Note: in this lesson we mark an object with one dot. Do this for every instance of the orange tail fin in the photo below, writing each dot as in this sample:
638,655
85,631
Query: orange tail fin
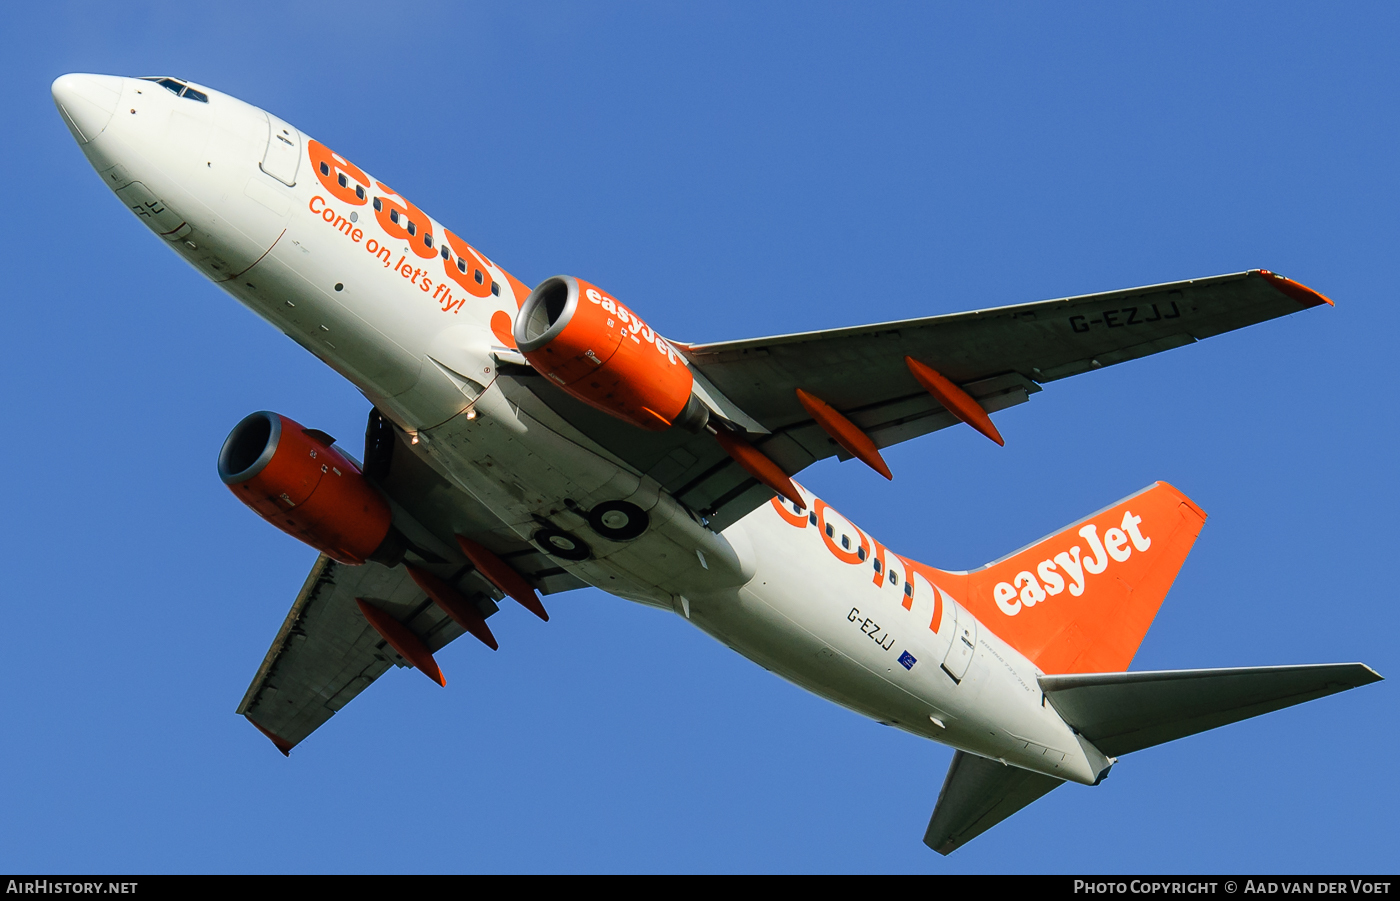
1081,600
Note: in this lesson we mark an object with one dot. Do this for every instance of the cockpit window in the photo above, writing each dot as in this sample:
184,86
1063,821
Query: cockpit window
178,88
170,84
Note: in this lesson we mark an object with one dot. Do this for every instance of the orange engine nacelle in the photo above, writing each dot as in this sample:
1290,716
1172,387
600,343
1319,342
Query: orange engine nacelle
606,356
293,478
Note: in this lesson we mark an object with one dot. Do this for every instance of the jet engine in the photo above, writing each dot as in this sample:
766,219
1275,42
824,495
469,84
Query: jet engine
606,356
293,478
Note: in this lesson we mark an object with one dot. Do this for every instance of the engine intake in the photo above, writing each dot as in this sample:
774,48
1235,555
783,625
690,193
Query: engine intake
295,479
604,354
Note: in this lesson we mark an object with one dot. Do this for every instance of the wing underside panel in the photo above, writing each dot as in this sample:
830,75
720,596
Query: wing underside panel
326,653
999,356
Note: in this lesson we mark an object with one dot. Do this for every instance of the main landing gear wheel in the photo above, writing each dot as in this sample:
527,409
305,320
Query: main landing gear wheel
618,520
562,544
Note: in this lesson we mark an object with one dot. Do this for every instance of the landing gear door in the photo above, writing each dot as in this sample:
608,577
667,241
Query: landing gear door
158,217
959,655
283,152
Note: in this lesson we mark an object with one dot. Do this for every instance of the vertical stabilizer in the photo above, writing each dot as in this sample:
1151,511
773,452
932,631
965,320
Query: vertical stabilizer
1081,600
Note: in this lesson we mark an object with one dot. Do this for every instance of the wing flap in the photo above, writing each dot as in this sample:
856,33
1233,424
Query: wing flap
1042,341
326,653
1117,355
920,414
977,794
1125,712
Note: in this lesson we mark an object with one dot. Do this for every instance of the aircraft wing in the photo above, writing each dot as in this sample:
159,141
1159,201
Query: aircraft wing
998,356
326,652
977,794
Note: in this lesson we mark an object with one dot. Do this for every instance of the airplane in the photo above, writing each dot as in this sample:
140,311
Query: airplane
527,441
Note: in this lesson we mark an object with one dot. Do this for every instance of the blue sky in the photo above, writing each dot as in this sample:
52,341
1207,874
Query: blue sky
728,170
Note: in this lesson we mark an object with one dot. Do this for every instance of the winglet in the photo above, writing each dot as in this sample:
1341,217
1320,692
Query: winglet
1299,292
282,744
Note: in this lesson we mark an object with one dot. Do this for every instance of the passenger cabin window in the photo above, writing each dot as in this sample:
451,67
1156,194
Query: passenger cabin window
394,216
909,588
894,577
477,275
812,517
445,254
461,265
495,289
877,564
846,542
860,554
428,241
830,532
378,204
360,192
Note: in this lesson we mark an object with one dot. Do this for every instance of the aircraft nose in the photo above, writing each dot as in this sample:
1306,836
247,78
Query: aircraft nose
87,102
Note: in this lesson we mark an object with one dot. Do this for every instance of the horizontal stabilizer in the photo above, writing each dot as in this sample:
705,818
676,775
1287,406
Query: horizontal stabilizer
1125,712
977,794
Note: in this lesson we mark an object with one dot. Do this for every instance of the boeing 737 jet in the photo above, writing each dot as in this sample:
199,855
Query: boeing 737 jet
524,442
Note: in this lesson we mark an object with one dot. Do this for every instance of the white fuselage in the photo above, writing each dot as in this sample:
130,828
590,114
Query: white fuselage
773,586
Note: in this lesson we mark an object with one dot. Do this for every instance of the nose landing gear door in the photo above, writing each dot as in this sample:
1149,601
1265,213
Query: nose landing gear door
283,152
959,655
158,217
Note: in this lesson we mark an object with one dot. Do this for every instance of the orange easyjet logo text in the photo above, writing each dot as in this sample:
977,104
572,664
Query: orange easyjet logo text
463,267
